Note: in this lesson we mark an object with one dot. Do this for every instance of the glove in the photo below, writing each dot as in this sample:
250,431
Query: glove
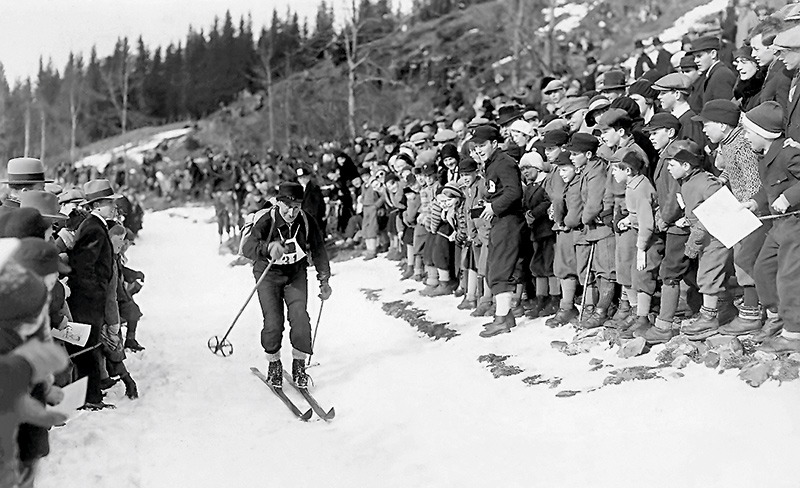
324,291
692,249
275,250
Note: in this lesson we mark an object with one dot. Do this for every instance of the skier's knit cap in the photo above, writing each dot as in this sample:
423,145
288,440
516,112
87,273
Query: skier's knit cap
673,81
663,120
485,133
563,159
633,160
724,111
23,222
535,160
425,157
705,43
523,127
22,295
290,192
556,137
467,165
644,88
684,151
40,256
765,120
582,142
452,190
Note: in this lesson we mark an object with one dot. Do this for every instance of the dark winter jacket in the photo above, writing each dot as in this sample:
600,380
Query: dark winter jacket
314,202
256,247
535,203
747,92
92,262
503,185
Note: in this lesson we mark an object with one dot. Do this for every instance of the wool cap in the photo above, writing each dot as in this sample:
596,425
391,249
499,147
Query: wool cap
449,151
663,120
485,133
582,142
534,159
685,151
290,192
23,222
554,138
644,88
627,104
22,295
390,177
429,169
704,43
25,171
391,139
614,118
633,160
452,190
765,120
467,165
724,111
40,256
425,157
45,202
563,159
673,81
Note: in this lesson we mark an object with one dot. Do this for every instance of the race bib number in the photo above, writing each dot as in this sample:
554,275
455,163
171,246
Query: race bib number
491,187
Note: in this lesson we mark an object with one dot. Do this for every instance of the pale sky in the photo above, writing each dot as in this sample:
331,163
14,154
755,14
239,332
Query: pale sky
53,28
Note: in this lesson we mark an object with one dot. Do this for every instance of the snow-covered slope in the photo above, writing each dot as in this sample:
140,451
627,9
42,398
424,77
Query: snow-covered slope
411,411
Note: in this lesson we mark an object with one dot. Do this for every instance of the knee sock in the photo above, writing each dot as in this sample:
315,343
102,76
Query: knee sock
590,292
433,276
472,285
487,290
710,301
670,294
750,297
542,287
554,286
274,356
410,255
629,295
568,286
606,293
517,296
297,354
130,334
644,300
444,275
503,303
372,244
418,266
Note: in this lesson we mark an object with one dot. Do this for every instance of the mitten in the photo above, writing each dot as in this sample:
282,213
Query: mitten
324,291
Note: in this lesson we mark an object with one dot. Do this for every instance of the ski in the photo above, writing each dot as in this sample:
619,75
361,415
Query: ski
326,416
280,394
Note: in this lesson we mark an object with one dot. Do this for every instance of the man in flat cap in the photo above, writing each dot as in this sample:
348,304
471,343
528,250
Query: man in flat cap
718,79
283,242
673,92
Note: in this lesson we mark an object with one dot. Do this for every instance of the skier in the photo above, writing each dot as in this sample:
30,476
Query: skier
281,238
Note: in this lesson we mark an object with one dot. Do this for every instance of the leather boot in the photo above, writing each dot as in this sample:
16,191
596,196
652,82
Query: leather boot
537,306
780,344
551,306
562,317
408,273
467,304
747,322
594,320
621,314
704,327
482,309
659,333
640,324
444,288
772,327
500,325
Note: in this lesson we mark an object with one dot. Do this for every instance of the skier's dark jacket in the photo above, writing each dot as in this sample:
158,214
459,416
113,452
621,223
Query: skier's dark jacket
310,240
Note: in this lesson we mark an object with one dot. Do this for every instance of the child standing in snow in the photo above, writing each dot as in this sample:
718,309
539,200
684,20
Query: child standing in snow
477,234
372,200
409,217
450,200
422,235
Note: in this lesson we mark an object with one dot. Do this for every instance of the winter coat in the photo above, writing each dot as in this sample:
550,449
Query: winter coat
536,203
92,262
746,92
717,84
503,185
314,202
667,188
776,85
779,170
15,379
475,194
372,202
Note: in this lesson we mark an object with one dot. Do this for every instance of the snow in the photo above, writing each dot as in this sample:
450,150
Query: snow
411,411
131,150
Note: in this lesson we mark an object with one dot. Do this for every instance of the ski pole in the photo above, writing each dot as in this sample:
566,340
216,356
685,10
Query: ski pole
73,355
316,328
586,283
222,346
778,216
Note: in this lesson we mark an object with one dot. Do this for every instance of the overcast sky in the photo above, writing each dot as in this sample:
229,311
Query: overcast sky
53,28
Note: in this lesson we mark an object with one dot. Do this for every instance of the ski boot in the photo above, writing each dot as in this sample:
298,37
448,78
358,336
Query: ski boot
659,333
131,391
299,375
747,322
482,309
408,273
467,304
275,374
595,319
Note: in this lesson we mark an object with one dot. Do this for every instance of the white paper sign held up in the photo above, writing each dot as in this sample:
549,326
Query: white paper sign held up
723,217
74,333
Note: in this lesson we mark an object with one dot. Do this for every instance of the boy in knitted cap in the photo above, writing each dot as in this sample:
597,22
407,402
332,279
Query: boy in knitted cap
710,254
777,269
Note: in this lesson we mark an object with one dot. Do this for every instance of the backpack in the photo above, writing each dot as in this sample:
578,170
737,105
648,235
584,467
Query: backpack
251,219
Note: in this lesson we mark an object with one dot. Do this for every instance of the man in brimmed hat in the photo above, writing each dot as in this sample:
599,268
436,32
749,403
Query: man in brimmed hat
504,210
788,46
718,79
23,174
283,241
777,268
92,261
612,84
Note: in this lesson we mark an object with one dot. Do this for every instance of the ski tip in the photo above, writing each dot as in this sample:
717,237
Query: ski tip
331,414
306,416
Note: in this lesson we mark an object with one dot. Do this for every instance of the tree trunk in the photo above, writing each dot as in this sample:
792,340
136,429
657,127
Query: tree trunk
27,151
287,97
270,106
43,116
519,14
125,86
351,100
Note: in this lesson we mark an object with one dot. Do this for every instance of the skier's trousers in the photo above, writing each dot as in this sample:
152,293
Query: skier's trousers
285,284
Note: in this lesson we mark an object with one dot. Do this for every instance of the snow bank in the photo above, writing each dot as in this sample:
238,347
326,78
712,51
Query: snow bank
131,150
411,412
